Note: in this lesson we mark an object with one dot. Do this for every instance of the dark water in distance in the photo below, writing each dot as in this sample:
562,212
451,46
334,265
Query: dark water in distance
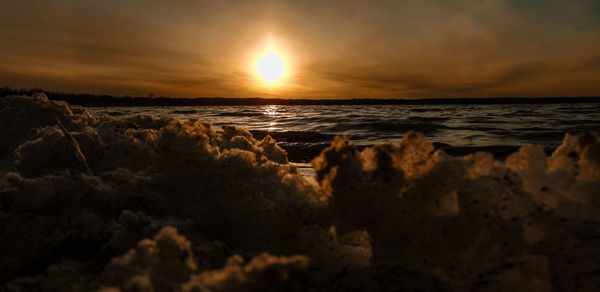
303,130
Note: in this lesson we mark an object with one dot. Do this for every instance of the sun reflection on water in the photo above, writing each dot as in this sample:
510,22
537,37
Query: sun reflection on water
270,110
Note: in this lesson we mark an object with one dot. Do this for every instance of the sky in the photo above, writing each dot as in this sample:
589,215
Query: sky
331,49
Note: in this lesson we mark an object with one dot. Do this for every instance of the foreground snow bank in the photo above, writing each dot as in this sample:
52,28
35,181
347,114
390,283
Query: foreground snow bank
146,203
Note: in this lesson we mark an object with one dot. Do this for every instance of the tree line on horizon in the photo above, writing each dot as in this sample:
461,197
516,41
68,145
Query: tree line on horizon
86,99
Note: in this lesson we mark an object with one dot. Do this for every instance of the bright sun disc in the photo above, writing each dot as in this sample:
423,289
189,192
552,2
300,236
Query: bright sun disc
270,67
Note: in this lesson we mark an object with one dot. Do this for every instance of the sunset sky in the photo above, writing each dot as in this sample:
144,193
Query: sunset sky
331,49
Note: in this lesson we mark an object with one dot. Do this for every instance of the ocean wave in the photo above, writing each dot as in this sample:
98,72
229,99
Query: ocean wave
116,113
427,109
378,126
477,128
240,114
485,120
142,203
428,119
294,136
303,151
184,112
301,146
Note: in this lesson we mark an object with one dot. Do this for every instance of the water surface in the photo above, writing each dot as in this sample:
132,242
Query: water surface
304,130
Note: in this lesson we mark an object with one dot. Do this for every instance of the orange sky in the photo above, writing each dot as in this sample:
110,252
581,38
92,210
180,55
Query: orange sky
332,49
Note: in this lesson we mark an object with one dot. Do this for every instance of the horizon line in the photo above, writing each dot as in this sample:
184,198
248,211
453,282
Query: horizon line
31,90
91,99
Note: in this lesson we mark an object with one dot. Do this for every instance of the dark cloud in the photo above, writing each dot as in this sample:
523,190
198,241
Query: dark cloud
431,85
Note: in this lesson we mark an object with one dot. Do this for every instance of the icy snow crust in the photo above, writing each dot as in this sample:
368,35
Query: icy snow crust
146,203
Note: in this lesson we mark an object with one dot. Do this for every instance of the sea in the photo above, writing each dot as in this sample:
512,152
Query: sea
304,130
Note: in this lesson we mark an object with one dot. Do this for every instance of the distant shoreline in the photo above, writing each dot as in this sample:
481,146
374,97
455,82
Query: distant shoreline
218,101
91,100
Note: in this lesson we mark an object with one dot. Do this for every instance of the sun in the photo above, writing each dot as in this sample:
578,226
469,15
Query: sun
270,67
